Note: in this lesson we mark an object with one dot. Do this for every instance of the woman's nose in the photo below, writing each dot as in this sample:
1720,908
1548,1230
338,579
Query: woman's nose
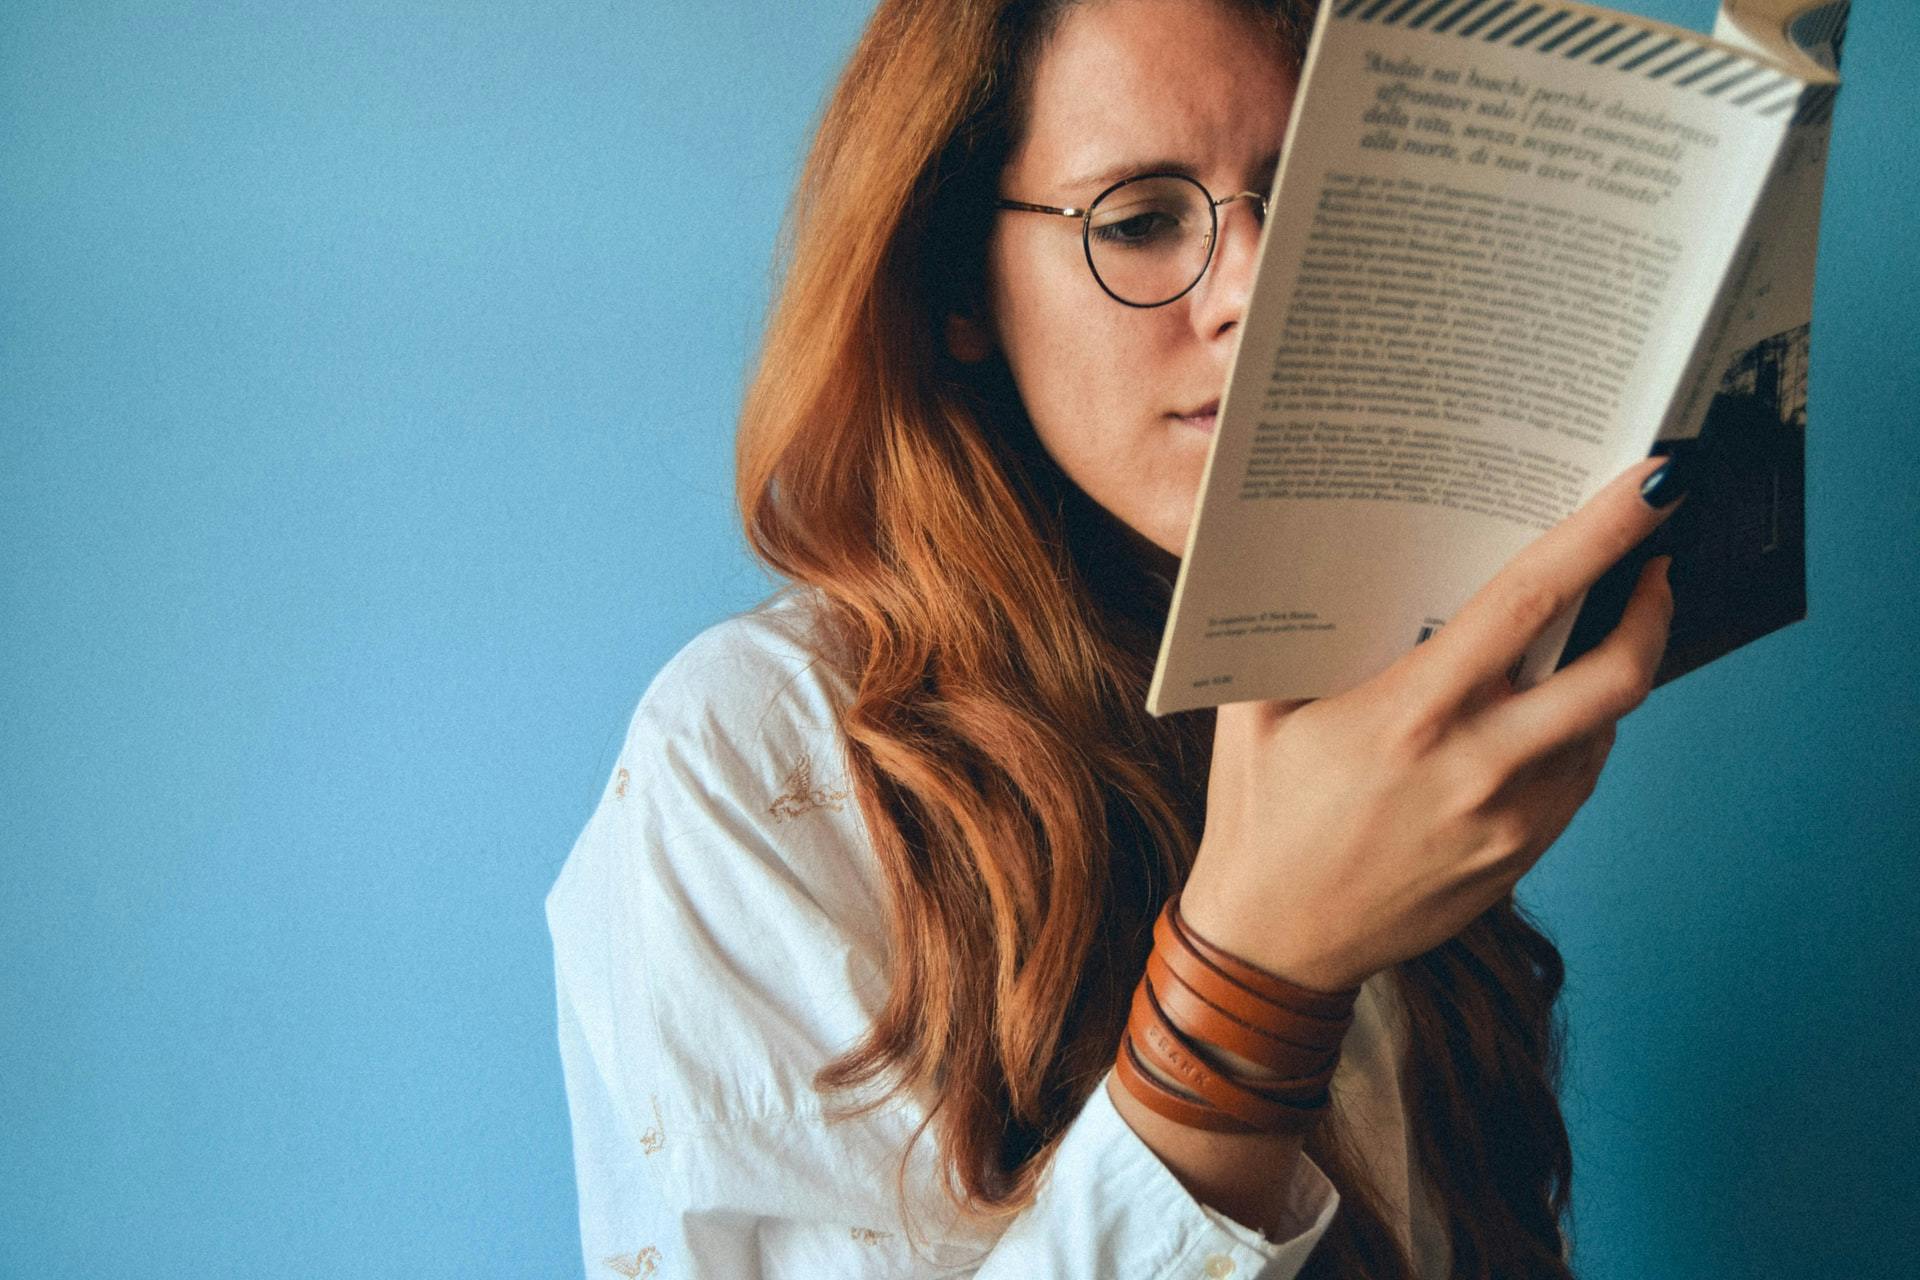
1230,270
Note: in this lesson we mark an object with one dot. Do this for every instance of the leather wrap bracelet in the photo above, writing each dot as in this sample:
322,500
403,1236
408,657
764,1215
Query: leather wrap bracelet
1194,996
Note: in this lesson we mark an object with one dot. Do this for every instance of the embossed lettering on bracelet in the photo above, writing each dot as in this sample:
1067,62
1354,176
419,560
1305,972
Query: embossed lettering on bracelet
1177,1057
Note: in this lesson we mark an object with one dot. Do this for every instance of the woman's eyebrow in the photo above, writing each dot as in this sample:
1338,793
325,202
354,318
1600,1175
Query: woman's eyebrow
1126,169
1106,177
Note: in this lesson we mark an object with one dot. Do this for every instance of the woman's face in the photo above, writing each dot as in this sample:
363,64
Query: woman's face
1120,396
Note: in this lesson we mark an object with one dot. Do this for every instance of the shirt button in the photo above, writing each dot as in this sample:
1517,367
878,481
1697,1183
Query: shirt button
1219,1265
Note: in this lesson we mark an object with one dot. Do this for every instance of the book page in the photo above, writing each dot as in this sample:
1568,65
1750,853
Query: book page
1499,232
1778,257
1739,567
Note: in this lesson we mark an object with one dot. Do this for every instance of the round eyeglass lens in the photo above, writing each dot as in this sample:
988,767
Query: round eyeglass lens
1148,239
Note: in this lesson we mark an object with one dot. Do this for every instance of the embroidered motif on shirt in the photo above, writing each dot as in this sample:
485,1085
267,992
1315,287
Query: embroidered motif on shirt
639,1264
655,1138
801,795
620,785
867,1235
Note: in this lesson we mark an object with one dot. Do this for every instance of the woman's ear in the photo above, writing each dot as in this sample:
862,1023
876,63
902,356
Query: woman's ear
967,339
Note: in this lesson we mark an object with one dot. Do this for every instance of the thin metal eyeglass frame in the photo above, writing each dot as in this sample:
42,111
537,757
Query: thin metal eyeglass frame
1086,228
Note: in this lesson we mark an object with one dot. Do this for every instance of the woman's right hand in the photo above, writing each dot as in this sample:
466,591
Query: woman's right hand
1346,834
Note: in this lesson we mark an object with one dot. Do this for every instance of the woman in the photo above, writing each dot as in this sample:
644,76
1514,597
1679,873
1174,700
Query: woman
848,953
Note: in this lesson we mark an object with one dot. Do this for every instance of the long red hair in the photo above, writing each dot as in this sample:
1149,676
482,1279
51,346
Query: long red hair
1030,817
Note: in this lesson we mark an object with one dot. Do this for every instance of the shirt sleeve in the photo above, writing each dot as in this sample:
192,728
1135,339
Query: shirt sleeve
718,938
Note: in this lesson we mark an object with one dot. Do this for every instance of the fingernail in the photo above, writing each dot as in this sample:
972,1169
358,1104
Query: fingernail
1664,487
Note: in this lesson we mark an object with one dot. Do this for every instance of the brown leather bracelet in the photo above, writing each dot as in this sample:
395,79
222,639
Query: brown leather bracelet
1161,1045
1161,1100
1194,995
1302,1070
1217,989
1333,1005
1304,1090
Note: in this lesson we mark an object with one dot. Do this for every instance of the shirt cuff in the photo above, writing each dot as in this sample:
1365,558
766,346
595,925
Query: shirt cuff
1109,1206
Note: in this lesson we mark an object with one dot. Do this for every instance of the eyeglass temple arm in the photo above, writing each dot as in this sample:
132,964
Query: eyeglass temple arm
1023,207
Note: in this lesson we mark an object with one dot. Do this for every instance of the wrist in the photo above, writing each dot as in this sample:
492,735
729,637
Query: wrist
1288,953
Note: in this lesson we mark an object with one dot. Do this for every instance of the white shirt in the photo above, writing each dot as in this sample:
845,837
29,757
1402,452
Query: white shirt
718,936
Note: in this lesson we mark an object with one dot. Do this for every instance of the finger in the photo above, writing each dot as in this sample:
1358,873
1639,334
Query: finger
1577,761
1490,632
1550,791
1596,689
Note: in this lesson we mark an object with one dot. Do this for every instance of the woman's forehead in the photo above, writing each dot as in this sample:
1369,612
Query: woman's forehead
1123,83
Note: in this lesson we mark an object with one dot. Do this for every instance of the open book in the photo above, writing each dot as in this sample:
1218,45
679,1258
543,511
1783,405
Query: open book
1514,246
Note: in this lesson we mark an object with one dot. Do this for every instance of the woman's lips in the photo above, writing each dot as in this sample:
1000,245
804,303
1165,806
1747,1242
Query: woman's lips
1201,419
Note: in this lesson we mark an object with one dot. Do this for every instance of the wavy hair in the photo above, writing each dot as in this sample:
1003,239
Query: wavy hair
1029,815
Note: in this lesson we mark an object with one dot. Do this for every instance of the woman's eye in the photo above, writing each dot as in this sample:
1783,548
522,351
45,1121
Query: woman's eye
1139,229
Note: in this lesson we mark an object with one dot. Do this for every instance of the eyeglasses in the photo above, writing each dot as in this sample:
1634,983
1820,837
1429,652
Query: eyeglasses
1149,238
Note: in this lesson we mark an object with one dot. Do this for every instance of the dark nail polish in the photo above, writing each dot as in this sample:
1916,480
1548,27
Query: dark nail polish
1664,487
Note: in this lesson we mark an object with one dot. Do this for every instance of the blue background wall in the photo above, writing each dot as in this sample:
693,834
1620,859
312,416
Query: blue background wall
367,379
